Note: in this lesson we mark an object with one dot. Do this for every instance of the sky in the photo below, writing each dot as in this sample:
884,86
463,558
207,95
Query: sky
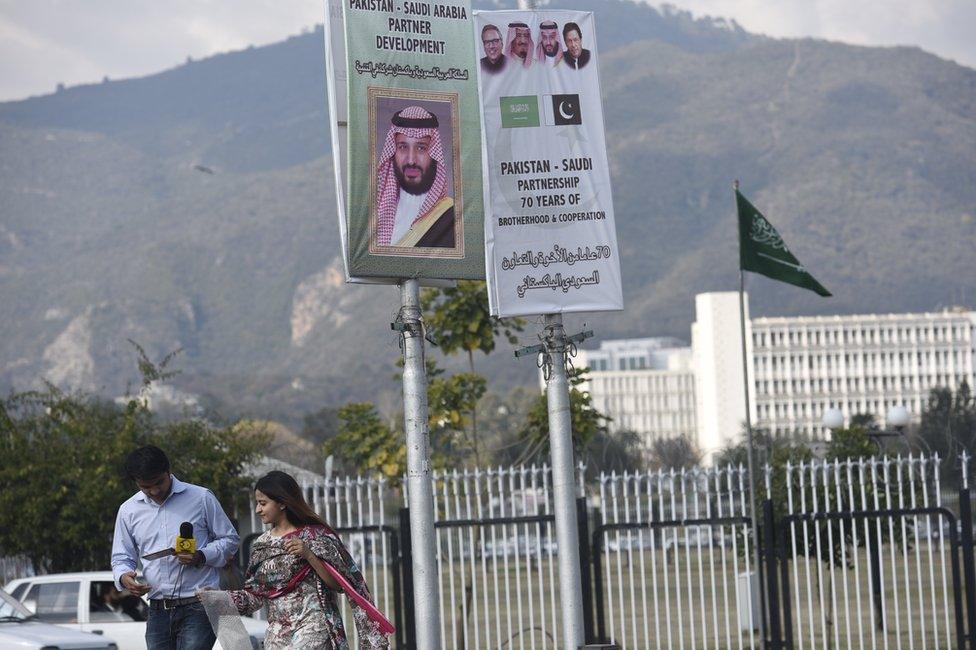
47,42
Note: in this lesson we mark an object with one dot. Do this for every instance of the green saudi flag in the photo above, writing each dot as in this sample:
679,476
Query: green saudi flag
762,250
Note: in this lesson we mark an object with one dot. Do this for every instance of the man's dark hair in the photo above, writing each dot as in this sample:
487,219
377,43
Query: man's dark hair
572,27
146,463
490,27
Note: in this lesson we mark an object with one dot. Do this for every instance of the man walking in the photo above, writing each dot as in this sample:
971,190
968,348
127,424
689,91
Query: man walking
150,521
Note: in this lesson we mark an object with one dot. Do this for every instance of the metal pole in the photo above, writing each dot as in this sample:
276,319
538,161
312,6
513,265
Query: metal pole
966,542
563,473
752,476
420,494
775,640
564,486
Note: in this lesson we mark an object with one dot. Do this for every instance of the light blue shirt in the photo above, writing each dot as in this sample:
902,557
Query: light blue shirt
144,526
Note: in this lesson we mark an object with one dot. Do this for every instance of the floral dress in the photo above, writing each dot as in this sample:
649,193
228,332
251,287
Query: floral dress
302,611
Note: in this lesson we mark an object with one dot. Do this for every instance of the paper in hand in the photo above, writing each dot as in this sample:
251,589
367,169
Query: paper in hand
166,552
225,620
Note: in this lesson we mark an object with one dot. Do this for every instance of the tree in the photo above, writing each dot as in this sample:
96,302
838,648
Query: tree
735,451
948,427
321,425
853,441
364,442
153,372
460,319
776,452
501,420
587,422
61,468
368,443
678,453
451,404
610,451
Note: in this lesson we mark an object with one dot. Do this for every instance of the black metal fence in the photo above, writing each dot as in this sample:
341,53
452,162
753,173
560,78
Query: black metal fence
868,553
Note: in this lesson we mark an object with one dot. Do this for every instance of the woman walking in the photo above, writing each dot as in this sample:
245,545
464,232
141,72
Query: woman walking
299,568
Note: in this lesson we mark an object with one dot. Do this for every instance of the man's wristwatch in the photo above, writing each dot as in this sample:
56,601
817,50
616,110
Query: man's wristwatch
199,559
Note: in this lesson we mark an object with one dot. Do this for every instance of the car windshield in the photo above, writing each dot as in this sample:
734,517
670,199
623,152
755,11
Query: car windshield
11,610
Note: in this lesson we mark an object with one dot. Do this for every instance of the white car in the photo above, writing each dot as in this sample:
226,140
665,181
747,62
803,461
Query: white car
19,629
89,602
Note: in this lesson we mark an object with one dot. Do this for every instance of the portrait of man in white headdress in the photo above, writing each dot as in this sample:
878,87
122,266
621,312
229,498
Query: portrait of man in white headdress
549,52
414,203
519,48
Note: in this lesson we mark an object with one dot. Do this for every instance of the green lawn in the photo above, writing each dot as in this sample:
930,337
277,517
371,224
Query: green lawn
517,606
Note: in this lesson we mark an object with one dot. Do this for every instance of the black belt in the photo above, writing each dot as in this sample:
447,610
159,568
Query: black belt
170,603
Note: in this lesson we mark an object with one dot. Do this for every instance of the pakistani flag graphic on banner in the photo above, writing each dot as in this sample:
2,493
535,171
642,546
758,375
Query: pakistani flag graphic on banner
762,250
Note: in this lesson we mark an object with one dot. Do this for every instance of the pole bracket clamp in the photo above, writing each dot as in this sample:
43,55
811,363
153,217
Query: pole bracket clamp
413,327
554,341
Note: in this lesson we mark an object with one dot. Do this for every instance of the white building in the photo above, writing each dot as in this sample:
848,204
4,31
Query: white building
798,366
859,364
716,343
645,385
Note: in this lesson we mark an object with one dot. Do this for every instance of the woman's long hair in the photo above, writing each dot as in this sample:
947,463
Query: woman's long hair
282,488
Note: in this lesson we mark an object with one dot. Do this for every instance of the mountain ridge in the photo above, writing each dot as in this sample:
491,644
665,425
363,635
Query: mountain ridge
863,158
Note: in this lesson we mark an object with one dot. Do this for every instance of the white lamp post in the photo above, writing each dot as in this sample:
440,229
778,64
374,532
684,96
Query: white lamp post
896,420
898,417
833,418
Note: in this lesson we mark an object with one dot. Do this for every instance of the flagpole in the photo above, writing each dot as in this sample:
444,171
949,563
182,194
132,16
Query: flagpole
749,445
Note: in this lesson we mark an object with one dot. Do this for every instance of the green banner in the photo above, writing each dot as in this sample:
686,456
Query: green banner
414,202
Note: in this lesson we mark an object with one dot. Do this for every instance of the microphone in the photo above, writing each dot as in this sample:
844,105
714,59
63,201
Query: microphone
185,542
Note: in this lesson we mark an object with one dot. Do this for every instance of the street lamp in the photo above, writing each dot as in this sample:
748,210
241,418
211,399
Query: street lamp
833,418
896,420
898,417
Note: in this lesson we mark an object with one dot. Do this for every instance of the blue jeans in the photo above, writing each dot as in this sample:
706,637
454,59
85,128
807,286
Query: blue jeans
181,628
